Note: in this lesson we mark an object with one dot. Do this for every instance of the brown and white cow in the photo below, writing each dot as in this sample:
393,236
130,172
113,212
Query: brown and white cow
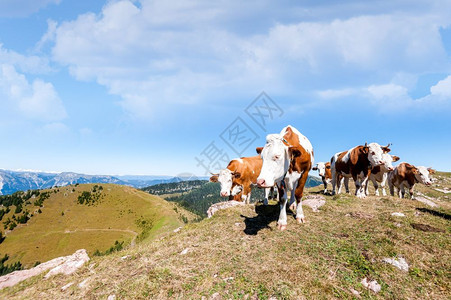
287,159
237,178
356,163
379,174
406,175
324,172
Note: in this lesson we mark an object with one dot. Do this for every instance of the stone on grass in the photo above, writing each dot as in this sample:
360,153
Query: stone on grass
371,285
400,263
65,265
398,214
222,205
314,202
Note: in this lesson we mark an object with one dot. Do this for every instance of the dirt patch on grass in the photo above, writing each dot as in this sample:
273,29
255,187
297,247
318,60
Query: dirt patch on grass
426,228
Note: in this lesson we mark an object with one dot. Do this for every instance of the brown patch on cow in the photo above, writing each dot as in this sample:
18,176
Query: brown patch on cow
328,174
356,164
426,228
299,163
245,173
405,172
375,170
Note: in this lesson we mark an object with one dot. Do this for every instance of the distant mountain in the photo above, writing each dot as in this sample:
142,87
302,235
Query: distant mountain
13,181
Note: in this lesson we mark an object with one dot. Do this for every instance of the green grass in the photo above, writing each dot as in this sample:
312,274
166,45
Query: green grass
94,227
239,253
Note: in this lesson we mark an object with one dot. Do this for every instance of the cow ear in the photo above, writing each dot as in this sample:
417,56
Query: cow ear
386,149
415,170
365,149
315,168
259,150
236,174
214,178
395,158
294,151
431,171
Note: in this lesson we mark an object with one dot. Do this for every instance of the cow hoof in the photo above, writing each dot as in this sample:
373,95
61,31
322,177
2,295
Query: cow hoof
300,220
281,227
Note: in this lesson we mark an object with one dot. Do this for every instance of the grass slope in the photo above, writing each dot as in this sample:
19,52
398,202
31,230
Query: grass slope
239,253
122,213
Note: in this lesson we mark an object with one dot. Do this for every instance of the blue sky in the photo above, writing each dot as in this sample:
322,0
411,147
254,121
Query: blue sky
154,87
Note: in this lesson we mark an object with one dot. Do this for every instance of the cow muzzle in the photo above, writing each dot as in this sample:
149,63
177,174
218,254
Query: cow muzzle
261,183
224,194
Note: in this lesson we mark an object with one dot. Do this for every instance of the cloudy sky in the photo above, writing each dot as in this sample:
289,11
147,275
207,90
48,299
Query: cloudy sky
170,87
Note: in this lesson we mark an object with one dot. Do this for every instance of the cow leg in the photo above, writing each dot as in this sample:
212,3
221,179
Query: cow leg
267,191
363,185
340,183
325,184
345,180
376,186
411,192
391,186
334,180
384,181
282,222
299,192
402,190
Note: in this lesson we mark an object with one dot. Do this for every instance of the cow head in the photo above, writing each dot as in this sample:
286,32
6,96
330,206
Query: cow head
422,175
226,178
321,168
388,160
276,155
375,153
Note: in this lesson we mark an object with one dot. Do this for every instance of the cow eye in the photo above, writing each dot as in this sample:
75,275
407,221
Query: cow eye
276,157
373,153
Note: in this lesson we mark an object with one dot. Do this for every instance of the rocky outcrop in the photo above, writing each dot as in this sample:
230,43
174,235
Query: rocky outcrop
222,205
60,265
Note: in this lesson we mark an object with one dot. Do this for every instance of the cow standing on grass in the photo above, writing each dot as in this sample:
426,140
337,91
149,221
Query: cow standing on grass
236,180
379,174
287,159
406,175
324,172
356,163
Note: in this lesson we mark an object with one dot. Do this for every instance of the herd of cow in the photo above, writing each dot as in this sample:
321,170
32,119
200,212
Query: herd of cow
286,159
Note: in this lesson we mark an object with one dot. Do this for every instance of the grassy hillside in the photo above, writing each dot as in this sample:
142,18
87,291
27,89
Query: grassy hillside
239,253
109,213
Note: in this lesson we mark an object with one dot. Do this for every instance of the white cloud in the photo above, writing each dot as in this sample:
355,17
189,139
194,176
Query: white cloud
35,101
32,64
442,88
23,8
164,53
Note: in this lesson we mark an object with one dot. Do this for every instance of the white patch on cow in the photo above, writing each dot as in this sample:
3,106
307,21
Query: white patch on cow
347,156
236,190
239,160
423,175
